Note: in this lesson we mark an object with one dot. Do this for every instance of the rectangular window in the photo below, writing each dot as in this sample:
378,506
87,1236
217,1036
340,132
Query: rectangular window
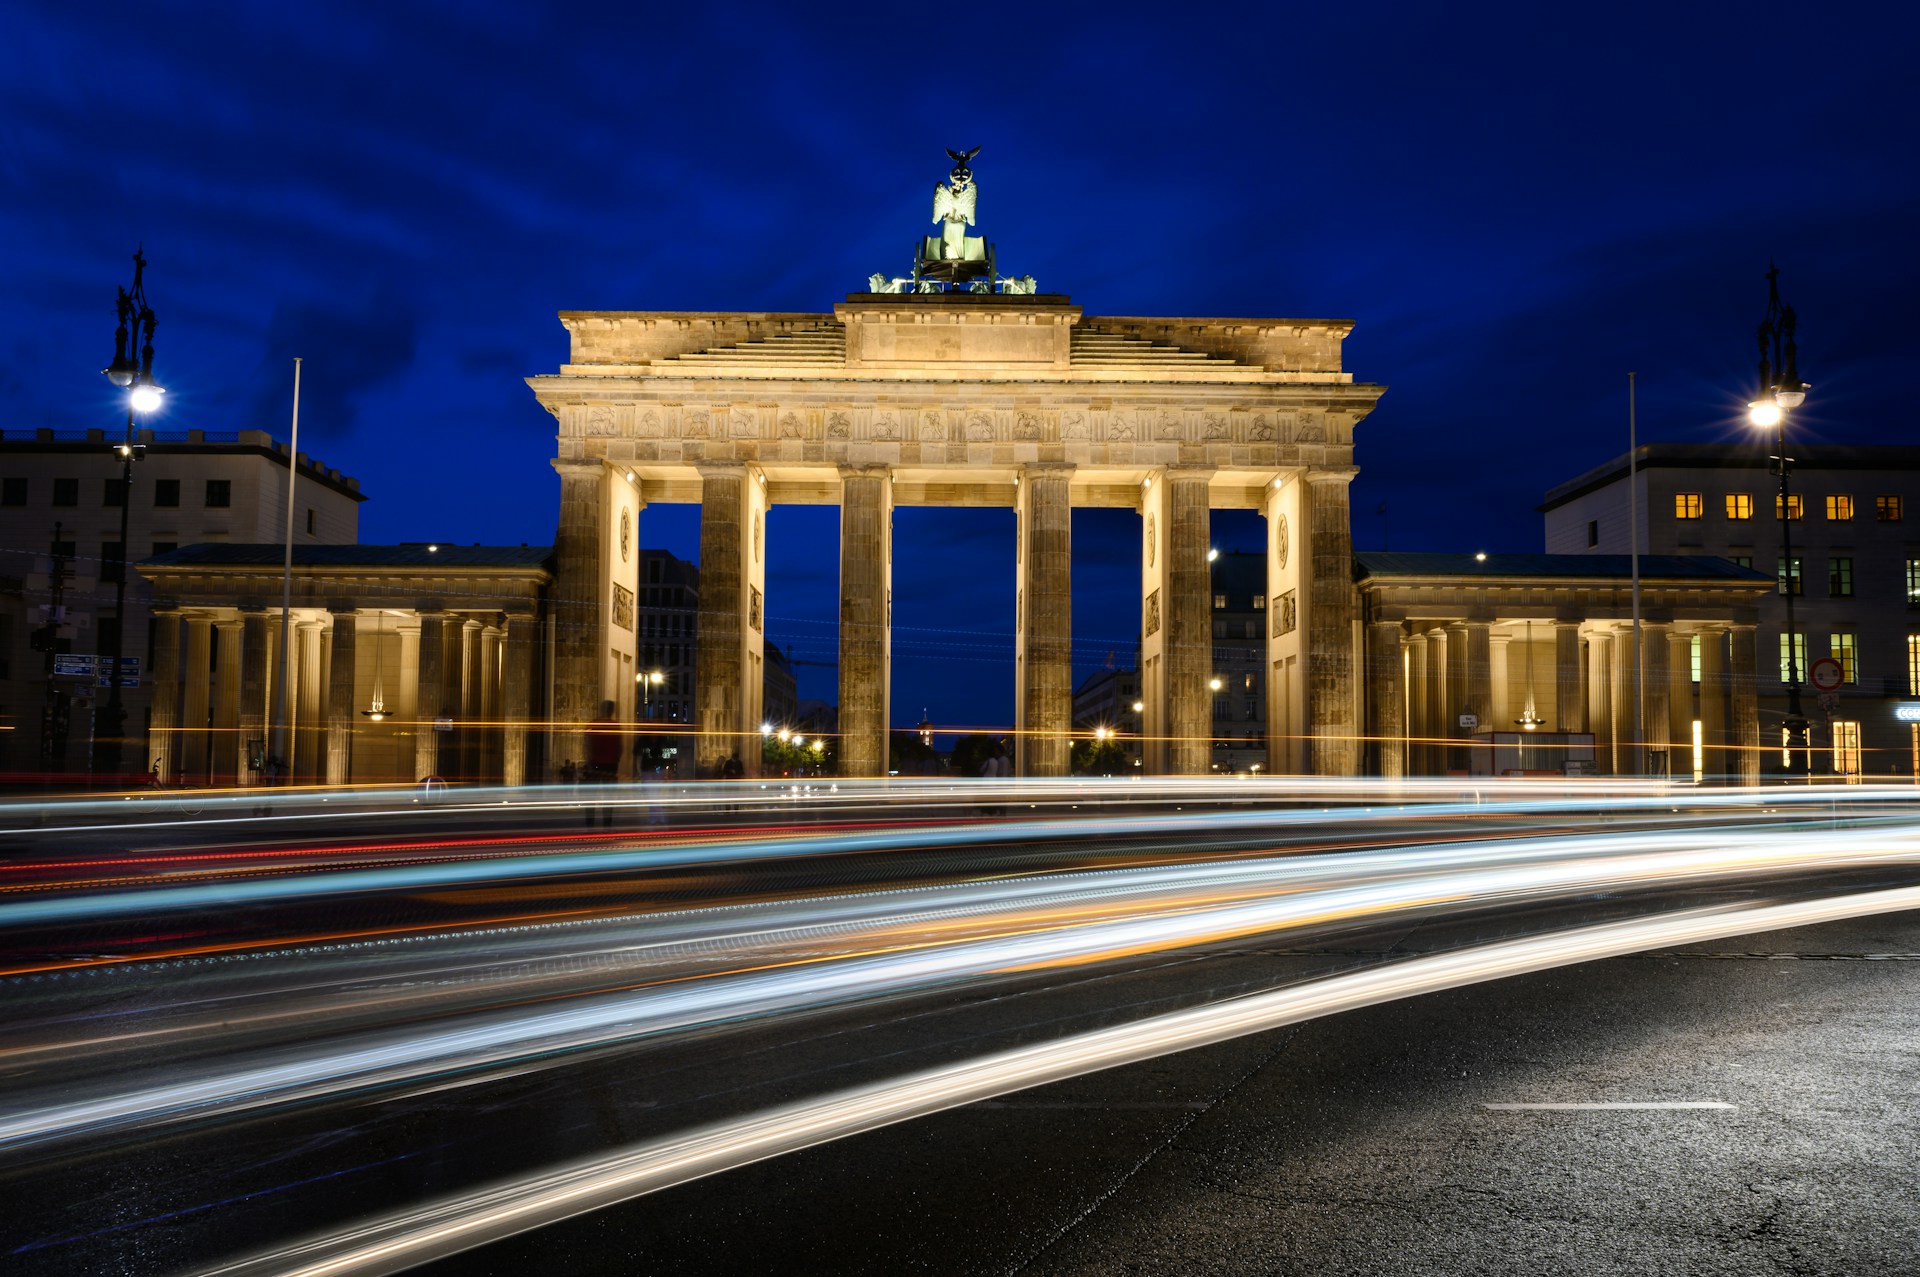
66,492
166,492
1693,658
1744,560
1840,507
1840,577
1840,645
1739,505
1886,509
1788,576
1913,582
1796,506
309,520
115,494
1913,664
1699,753
219,494
1259,602
1799,663
1687,505
1846,750
112,561
13,490
1220,600
1593,533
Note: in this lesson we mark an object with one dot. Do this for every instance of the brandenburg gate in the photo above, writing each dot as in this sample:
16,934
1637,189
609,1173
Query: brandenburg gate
964,398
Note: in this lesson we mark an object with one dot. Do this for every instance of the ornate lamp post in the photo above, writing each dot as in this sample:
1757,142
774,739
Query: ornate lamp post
132,371
1781,391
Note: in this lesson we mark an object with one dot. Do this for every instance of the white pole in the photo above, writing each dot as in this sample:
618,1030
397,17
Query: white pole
1633,531
279,759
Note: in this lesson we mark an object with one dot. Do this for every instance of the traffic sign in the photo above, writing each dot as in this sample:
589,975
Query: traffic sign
1825,674
73,665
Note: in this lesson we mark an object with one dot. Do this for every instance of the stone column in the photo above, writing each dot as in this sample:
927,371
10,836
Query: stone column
1626,750
1043,623
1330,691
579,612
432,691
725,661
1713,703
1500,713
467,730
193,713
1660,753
1569,688
1386,695
1438,720
163,730
1459,695
226,704
251,722
340,699
1154,728
1743,674
310,717
1479,677
1189,623
489,730
1417,729
516,706
1600,700
1680,701
866,617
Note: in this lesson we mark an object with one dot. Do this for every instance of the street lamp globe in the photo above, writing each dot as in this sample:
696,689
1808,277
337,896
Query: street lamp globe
145,398
1765,413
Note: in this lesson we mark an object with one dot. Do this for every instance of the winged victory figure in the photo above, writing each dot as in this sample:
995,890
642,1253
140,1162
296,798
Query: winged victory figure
953,203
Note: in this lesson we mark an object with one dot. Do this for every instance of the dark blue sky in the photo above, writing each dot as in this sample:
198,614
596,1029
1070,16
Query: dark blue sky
1516,205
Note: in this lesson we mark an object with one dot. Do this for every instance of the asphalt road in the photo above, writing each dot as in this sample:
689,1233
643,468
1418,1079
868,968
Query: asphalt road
1365,1143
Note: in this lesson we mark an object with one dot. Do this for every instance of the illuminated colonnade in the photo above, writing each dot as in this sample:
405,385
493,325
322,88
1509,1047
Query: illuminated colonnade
961,400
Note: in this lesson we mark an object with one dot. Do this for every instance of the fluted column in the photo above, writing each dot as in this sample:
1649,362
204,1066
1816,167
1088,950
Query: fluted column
1569,688
1330,689
1653,638
1189,623
429,698
226,703
1155,728
163,737
1439,722
866,617
1043,623
310,717
579,614
1626,750
489,712
1743,696
1500,713
193,713
251,721
1417,729
1680,702
1386,694
729,646
1600,701
1713,704
340,699
1479,678
516,707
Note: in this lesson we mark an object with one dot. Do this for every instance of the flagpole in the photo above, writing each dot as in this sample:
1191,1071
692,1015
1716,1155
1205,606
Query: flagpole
278,759
1633,531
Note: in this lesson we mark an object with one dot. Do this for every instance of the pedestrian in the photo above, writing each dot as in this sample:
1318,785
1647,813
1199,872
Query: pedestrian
603,758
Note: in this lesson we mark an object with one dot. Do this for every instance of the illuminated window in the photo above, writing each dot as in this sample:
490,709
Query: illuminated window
1846,749
1788,576
1744,560
1913,582
1913,664
1220,600
1841,647
1796,506
1739,505
1686,505
1886,509
1786,755
1699,752
1840,507
1259,602
1695,658
1799,666
1840,577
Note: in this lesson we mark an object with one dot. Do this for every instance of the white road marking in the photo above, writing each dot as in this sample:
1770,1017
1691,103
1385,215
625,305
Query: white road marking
1615,1104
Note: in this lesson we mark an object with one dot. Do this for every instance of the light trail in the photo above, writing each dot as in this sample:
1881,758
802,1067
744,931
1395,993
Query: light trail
877,952
403,1239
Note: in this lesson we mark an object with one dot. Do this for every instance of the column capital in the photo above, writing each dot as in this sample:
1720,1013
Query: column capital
1047,469
1332,474
579,469
866,472
722,469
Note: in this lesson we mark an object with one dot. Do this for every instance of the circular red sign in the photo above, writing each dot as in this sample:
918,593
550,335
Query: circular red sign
1824,674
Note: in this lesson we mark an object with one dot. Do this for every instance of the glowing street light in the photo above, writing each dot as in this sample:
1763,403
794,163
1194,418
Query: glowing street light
1781,390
